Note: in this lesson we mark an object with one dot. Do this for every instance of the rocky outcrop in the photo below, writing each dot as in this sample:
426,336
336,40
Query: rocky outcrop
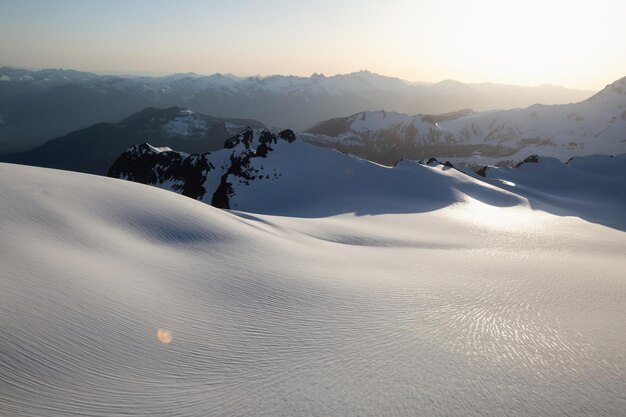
483,171
189,174
156,166
434,162
246,146
532,159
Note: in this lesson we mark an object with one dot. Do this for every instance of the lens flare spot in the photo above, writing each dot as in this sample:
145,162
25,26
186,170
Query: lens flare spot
164,336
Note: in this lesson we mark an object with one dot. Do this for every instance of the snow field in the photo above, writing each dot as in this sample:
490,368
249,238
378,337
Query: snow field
470,308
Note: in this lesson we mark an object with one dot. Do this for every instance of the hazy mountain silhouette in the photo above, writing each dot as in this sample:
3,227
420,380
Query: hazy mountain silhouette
93,150
36,106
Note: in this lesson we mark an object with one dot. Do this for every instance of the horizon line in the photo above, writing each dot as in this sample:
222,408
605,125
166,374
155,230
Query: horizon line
160,74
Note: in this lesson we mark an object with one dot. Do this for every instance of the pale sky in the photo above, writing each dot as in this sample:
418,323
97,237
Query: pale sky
578,44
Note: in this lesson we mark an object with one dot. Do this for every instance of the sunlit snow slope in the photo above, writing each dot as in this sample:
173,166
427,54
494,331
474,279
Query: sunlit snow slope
472,305
591,187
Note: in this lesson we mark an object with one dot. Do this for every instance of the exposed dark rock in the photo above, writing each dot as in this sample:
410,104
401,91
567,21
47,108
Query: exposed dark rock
287,135
240,163
434,162
482,171
533,159
265,140
193,173
244,137
188,174
148,165
221,196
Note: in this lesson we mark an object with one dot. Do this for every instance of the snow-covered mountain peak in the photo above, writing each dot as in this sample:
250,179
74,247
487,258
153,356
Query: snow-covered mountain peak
186,123
174,121
615,89
182,123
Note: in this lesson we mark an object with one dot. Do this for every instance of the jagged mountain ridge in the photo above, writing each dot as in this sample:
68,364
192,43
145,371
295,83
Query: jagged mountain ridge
93,150
595,125
208,176
38,105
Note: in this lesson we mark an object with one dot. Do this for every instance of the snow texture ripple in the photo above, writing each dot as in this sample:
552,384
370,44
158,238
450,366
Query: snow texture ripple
122,299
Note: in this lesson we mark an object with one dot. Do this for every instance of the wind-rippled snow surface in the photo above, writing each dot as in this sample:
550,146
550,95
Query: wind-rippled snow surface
466,310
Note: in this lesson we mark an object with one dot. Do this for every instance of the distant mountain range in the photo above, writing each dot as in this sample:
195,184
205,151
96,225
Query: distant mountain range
36,106
93,150
594,126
